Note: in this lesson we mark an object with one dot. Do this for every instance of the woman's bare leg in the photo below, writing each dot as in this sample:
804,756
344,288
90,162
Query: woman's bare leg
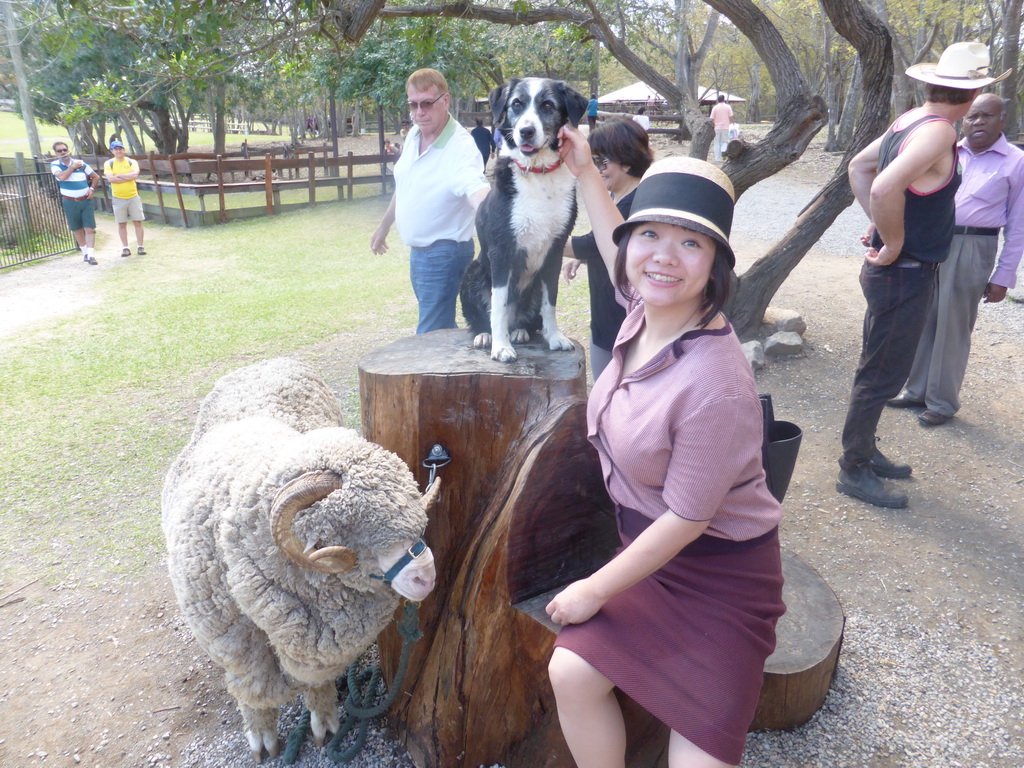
683,753
590,717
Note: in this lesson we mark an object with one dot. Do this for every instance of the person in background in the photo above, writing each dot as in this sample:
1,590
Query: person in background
121,172
641,119
989,199
483,140
622,155
439,184
683,617
721,116
592,107
906,181
77,182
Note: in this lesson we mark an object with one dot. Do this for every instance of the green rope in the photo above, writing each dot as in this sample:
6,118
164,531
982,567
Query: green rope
359,713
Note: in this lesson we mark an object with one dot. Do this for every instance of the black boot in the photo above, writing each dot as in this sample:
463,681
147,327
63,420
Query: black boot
860,481
884,467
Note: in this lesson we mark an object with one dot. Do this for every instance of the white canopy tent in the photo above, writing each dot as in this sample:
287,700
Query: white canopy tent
641,93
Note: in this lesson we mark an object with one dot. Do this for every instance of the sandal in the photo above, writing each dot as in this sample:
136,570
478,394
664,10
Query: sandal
126,252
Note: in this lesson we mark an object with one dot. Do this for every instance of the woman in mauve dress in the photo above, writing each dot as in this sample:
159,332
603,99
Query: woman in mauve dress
683,617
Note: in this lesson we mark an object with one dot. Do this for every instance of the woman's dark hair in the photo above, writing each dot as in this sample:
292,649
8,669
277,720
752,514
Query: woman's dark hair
624,142
943,94
716,292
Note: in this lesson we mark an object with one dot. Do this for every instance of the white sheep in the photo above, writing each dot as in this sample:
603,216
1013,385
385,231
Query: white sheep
279,525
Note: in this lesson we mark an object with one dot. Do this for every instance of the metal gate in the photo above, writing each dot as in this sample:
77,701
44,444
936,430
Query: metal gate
32,223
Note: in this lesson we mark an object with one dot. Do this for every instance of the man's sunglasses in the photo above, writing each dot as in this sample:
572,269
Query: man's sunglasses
424,105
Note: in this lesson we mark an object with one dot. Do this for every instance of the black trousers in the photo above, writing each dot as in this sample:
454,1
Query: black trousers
898,299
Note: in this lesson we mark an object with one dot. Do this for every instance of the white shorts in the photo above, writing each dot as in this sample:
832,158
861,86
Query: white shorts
125,208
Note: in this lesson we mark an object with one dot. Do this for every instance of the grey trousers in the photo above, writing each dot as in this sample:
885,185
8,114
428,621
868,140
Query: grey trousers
721,142
941,359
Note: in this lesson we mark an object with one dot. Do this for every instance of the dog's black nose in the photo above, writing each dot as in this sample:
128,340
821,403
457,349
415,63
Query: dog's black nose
527,132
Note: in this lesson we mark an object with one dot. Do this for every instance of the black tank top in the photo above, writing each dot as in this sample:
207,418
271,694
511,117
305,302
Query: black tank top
927,219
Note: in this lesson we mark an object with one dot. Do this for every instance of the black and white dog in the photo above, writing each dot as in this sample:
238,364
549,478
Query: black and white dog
511,290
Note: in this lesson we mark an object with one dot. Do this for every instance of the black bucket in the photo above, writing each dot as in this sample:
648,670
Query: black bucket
780,449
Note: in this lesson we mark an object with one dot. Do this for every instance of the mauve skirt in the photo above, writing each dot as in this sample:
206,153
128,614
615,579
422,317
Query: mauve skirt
689,642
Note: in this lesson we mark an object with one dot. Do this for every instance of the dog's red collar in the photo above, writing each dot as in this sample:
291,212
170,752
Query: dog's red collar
529,169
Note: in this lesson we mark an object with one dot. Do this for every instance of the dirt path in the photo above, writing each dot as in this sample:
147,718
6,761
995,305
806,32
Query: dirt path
106,675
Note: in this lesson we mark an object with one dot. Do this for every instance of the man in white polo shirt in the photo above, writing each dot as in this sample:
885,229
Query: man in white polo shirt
76,180
439,184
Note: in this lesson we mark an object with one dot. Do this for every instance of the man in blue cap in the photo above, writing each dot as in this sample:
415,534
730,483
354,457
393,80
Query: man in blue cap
121,172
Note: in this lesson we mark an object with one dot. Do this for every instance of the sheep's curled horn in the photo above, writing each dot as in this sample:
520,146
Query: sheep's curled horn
303,492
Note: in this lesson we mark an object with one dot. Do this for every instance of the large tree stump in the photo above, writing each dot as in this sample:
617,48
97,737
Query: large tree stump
523,511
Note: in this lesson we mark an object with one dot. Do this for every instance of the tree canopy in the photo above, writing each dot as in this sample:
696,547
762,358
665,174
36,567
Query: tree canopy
807,63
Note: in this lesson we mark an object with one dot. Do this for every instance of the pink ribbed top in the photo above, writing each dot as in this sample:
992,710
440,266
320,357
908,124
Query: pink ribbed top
683,433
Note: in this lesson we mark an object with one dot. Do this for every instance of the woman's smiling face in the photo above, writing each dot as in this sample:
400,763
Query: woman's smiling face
669,265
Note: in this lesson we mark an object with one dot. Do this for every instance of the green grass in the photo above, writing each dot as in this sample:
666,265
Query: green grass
14,137
97,403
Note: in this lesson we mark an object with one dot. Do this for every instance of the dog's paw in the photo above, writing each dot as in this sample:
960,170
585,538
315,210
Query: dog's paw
520,336
559,341
482,340
504,354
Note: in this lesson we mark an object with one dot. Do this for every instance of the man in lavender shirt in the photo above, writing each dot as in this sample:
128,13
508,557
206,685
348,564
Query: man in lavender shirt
989,199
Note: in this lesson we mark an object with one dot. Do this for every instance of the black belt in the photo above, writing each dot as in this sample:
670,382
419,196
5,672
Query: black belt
979,231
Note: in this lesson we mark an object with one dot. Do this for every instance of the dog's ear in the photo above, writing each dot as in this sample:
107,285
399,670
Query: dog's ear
499,100
575,103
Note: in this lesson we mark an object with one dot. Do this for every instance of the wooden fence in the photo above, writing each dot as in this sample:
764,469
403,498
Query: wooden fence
175,177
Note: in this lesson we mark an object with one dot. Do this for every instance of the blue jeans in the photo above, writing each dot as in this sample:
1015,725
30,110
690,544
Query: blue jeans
436,274
898,300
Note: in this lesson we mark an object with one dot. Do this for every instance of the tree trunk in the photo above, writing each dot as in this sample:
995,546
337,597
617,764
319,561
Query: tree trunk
1011,53
831,90
100,145
758,285
801,113
851,107
131,136
754,104
164,133
523,510
217,116
18,63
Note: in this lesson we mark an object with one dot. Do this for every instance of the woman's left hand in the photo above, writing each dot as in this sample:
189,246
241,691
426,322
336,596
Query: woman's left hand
574,604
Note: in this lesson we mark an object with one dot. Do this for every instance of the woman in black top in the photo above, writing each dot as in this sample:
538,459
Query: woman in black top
622,154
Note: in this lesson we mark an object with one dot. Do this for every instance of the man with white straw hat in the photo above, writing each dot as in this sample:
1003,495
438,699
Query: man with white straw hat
990,199
906,181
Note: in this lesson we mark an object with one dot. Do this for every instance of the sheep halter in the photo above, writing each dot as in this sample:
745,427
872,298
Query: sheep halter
411,554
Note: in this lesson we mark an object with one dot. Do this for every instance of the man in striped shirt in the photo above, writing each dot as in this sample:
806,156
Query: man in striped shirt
77,181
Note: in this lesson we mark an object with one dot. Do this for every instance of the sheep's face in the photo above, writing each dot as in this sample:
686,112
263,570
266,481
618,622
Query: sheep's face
416,580
352,521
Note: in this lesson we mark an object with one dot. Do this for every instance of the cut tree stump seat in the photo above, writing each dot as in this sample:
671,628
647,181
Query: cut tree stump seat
523,512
